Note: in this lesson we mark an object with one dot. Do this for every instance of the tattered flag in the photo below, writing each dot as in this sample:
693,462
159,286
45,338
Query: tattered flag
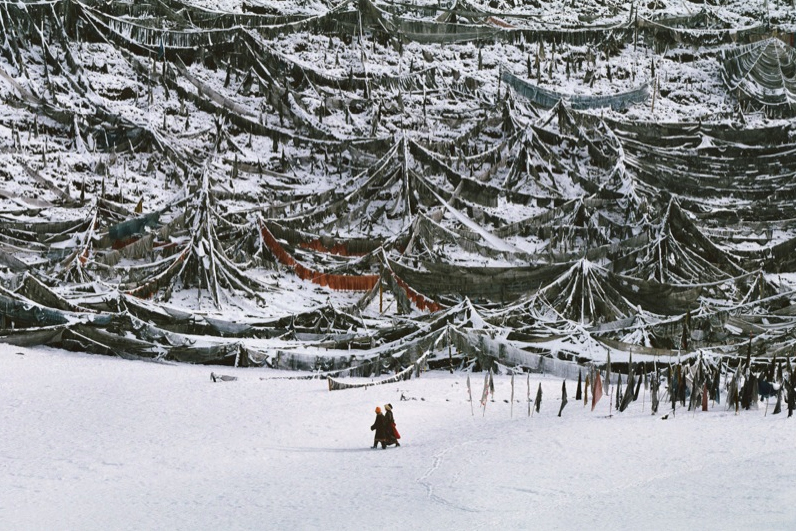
563,397
586,391
628,393
646,377
529,394
485,393
512,394
598,391
654,385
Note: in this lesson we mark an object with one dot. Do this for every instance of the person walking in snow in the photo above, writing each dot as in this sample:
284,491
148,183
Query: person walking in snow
382,430
393,432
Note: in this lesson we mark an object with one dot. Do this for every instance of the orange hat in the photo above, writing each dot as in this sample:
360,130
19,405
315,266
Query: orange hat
378,409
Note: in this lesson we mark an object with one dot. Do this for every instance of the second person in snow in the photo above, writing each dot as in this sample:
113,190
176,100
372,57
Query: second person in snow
391,425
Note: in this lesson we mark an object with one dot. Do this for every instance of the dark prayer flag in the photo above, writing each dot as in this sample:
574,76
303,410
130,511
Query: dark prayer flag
563,397
692,404
654,384
538,402
682,387
628,393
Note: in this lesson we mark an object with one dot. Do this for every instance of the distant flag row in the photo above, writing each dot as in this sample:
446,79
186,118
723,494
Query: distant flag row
700,379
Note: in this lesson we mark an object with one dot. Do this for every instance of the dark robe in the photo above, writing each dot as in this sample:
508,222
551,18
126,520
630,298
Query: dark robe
383,430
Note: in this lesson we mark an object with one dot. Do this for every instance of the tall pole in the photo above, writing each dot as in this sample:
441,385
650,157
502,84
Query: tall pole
450,351
512,395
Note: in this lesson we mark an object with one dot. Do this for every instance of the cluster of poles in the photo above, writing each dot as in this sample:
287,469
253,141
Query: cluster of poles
687,385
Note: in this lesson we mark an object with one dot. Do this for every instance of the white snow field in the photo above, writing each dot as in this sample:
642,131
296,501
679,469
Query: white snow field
97,443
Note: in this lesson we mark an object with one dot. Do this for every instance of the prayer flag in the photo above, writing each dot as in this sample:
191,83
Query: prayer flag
563,397
598,391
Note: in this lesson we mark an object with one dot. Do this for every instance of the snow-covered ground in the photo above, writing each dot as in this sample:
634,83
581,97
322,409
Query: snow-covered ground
101,443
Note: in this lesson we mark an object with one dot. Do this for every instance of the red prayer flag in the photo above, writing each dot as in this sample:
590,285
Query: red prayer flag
598,391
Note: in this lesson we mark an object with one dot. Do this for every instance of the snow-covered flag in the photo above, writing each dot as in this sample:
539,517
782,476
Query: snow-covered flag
586,390
598,391
655,382
485,394
646,378
578,392
512,394
563,397
529,394
491,385
470,394
538,402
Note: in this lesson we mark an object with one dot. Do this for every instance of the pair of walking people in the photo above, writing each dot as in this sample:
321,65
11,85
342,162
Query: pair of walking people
386,433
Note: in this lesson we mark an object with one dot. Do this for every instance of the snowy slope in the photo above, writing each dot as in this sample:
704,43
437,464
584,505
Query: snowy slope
95,443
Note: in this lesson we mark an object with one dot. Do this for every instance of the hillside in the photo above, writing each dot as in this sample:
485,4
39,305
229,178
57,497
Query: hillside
367,187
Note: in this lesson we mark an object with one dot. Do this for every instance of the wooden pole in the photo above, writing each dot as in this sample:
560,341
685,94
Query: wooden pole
512,395
654,90
610,399
450,351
